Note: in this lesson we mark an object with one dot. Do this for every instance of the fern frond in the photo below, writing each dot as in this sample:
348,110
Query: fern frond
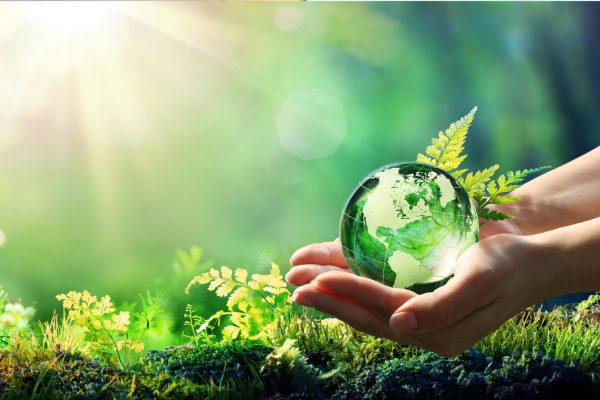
497,192
254,305
458,173
505,199
509,182
425,160
475,182
445,149
445,152
493,215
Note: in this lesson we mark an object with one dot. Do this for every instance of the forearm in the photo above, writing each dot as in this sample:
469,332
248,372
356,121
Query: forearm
572,262
566,195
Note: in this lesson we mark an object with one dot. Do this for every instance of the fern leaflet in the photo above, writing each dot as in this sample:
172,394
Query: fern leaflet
445,150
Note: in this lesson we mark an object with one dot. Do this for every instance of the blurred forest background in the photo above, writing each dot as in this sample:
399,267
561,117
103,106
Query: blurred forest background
242,128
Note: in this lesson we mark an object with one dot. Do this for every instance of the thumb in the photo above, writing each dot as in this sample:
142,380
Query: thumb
445,306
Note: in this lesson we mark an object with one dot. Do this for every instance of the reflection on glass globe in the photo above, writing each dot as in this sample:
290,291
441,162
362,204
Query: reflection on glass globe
406,224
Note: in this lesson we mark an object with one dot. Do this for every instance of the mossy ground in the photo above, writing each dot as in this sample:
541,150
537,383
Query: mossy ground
320,359
262,347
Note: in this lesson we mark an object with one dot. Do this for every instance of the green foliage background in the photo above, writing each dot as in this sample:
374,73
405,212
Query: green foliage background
212,171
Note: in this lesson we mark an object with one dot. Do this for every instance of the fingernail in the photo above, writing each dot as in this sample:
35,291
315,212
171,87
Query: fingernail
302,300
403,322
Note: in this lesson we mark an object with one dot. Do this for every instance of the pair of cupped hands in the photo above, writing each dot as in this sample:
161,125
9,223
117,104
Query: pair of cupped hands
493,280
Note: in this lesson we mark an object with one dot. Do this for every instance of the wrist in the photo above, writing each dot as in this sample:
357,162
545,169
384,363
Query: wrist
523,211
568,258
547,257
526,213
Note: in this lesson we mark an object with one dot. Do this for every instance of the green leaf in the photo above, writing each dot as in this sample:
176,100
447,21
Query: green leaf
226,288
474,182
510,181
200,279
241,275
493,215
237,297
226,272
496,192
445,149
215,283
458,173
275,270
505,199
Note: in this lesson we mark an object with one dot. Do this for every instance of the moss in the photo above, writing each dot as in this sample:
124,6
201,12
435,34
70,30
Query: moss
286,371
316,359
471,376
211,371
64,376
205,362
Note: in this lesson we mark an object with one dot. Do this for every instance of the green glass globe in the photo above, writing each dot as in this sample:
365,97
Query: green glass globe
406,224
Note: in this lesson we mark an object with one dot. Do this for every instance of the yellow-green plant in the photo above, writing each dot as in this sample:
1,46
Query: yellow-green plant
445,152
59,336
254,306
105,330
591,304
570,339
201,328
14,318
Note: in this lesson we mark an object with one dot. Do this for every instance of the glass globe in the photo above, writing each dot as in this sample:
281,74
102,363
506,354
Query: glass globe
406,224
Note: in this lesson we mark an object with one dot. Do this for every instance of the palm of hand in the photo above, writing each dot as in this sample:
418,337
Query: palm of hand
447,321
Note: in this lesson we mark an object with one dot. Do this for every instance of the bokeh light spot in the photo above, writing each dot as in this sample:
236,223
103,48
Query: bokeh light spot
311,124
2,238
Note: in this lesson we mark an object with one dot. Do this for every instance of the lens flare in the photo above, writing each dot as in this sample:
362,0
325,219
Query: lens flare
67,18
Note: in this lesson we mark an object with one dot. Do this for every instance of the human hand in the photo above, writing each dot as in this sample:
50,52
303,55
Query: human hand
493,280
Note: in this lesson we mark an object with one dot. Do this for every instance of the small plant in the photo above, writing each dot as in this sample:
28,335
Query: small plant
151,322
14,318
254,306
445,152
590,307
58,336
105,330
186,264
201,329
570,339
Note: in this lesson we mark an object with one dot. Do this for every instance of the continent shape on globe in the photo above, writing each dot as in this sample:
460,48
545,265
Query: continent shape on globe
406,224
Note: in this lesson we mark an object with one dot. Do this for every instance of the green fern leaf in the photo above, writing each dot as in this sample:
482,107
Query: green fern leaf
226,272
458,173
493,215
241,275
505,199
475,182
238,296
511,181
445,150
506,183
226,288
254,306
425,160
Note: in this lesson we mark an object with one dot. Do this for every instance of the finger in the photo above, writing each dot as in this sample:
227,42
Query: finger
327,253
303,274
348,311
375,295
461,296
